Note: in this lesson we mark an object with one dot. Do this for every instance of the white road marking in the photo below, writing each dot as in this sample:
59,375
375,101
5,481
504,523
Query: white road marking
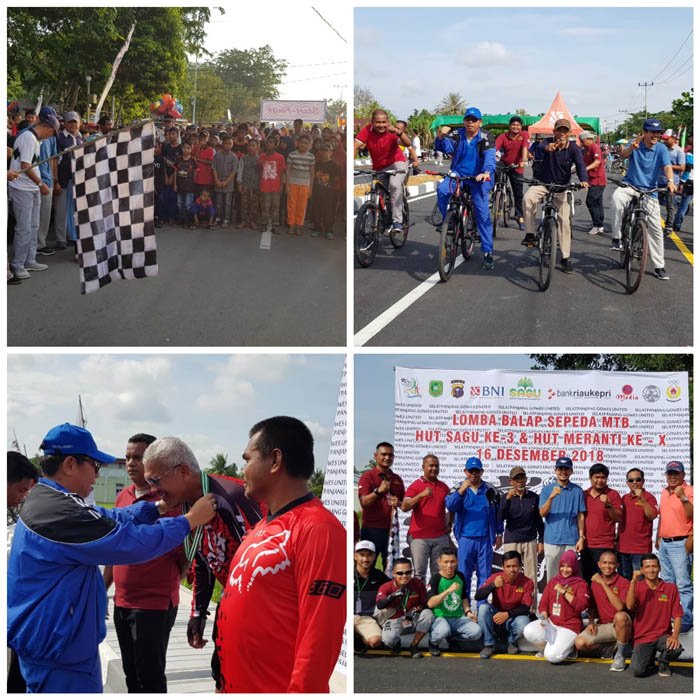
395,310
266,240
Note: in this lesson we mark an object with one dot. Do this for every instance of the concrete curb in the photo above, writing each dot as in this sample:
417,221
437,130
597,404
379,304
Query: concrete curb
412,190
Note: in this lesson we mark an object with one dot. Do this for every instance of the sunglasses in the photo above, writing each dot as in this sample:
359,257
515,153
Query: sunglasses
95,465
404,573
633,481
155,481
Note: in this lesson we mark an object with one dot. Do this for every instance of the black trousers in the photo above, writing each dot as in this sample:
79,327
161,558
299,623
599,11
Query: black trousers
143,639
215,661
669,201
15,680
594,202
643,655
516,183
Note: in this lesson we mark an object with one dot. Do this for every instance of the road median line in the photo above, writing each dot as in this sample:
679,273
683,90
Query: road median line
682,247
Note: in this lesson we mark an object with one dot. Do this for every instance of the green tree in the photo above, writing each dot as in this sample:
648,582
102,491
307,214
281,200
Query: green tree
421,121
212,95
249,76
452,103
316,482
335,108
682,110
219,465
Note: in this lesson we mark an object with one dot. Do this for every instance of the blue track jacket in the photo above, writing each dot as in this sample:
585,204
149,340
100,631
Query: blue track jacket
484,163
460,506
56,599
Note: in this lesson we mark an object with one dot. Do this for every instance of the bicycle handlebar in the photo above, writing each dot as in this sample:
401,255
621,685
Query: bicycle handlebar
454,176
372,173
553,185
639,189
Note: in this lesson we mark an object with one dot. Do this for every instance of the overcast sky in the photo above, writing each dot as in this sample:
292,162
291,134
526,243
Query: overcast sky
374,390
296,34
210,401
503,59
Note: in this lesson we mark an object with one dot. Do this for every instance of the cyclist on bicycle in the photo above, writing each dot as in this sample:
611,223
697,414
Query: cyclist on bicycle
473,154
384,143
559,156
646,158
514,145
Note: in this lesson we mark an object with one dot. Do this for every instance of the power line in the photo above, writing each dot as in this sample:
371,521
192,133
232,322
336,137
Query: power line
328,23
306,65
678,75
674,55
680,68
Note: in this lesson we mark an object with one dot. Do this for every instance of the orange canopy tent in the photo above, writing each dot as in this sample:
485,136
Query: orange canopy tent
557,111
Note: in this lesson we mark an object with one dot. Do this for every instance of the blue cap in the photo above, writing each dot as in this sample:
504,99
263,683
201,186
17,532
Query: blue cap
564,462
473,463
675,467
69,439
472,112
652,125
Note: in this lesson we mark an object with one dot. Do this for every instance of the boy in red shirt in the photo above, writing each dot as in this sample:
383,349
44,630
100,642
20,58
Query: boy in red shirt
203,154
272,167
655,603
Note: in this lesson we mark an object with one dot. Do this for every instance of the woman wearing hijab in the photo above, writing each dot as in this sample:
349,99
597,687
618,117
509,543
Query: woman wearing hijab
563,601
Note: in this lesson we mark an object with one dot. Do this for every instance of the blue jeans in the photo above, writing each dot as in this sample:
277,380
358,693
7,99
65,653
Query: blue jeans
628,564
166,205
676,567
475,553
184,202
459,627
513,626
686,199
480,197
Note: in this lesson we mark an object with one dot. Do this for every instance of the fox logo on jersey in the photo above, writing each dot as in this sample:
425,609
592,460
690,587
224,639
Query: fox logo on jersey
259,558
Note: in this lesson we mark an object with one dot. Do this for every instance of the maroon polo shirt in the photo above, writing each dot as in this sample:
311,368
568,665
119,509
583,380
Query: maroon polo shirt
428,515
511,595
635,530
512,148
379,513
155,584
596,176
606,610
415,596
654,609
600,527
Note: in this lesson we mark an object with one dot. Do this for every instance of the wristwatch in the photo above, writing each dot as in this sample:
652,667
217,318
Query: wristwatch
375,491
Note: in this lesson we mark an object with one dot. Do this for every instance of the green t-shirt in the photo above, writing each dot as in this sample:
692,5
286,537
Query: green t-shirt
451,606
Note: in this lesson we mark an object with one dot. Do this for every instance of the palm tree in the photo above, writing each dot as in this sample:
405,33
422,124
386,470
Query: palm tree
452,103
219,465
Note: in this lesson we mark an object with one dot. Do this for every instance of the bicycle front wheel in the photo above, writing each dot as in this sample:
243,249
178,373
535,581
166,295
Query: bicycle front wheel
508,207
436,216
398,238
448,245
498,204
637,258
366,234
548,252
469,233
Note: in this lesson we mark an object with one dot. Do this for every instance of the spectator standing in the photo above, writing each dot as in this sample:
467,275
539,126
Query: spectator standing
171,150
415,142
203,155
64,219
25,192
105,124
248,186
603,512
595,167
49,171
225,163
686,193
429,530
184,185
380,491
677,159
272,168
519,509
639,509
299,178
323,199
563,509
367,583
161,179
675,527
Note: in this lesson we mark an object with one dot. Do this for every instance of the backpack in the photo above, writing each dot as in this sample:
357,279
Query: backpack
487,141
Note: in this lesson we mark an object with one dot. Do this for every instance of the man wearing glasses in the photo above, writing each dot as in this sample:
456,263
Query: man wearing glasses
402,609
172,470
639,509
56,599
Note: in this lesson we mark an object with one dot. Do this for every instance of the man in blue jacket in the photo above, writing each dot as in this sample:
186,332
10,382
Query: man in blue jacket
474,154
477,528
56,599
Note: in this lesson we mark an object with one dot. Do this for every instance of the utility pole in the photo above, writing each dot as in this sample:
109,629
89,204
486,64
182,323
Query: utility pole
645,85
194,98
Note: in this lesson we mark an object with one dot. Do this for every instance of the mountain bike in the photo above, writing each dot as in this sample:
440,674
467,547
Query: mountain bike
459,227
502,201
635,246
374,218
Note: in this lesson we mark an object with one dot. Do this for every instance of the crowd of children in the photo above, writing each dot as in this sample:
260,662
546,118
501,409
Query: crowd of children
251,177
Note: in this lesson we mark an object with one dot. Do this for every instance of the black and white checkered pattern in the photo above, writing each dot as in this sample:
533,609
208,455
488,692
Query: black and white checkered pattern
114,207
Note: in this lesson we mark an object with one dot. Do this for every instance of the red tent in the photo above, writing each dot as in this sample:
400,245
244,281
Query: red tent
557,111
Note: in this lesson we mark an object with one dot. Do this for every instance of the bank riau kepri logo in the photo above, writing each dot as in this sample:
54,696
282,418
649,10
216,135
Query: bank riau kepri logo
651,393
458,388
410,388
673,391
525,390
435,388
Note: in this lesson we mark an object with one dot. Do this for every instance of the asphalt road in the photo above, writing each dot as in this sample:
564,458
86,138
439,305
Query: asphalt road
214,288
387,674
504,306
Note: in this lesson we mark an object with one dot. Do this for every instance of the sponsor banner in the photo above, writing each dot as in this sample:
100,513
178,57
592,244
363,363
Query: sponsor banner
335,484
528,419
313,111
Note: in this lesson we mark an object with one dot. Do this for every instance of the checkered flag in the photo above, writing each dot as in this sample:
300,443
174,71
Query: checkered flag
114,207
394,540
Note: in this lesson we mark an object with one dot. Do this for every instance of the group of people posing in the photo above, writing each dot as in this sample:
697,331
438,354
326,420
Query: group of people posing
474,154
627,601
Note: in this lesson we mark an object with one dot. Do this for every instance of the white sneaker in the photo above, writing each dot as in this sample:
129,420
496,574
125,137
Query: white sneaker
593,230
21,274
36,266
601,229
